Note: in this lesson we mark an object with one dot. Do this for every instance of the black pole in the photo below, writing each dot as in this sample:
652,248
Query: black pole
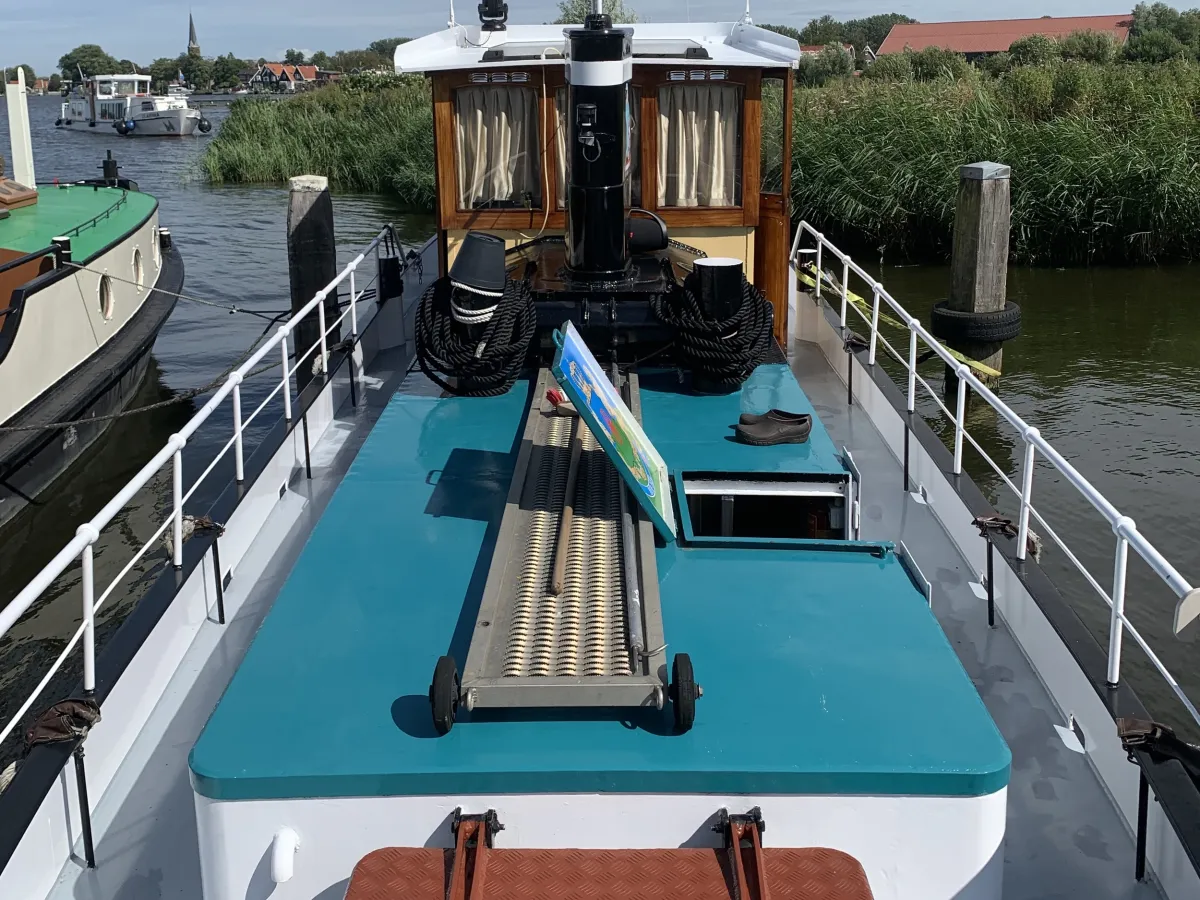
307,457
1139,859
85,811
220,583
990,589
907,430
849,377
353,392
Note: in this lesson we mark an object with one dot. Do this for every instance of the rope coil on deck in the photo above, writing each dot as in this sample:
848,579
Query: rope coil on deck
725,351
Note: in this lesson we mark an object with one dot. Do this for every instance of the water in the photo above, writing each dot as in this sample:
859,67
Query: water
1105,369
233,243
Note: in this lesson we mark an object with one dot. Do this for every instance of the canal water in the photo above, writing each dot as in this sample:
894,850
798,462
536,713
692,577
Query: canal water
1106,369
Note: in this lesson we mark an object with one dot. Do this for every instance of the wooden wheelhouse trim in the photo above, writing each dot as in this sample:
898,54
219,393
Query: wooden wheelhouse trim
546,80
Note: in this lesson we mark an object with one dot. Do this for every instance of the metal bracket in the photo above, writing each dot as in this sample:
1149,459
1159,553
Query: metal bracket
922,583
473,837
743,843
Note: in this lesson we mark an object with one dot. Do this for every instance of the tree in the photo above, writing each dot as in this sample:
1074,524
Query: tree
822,31
346,60
1034,50
833,61
11,74
165,70
573,12
54,82
871,30
892,67
1155,46
91,58
128,67
386,47
294,57
1153,17
226,71
197,71
1089,46
996,64
933,63
320,59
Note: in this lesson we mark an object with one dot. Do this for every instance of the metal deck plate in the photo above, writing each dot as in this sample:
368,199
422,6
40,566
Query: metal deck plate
533,646
812,873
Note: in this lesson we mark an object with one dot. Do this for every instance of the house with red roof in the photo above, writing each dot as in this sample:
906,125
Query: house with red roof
287,77
988,36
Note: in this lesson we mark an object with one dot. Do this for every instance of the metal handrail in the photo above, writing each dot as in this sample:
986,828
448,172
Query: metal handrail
80,547
1123,526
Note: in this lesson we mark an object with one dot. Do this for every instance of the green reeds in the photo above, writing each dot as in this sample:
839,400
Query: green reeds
375,137
1105,160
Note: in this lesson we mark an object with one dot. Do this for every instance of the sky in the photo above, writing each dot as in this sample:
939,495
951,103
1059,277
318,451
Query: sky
268,27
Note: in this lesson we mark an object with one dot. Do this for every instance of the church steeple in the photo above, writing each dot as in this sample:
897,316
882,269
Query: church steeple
193,43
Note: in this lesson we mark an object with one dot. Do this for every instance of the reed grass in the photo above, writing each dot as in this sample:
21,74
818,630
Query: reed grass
1104,160
365,136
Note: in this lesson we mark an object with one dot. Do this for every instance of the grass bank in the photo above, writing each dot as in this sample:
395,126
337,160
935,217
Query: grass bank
364,136
1105,158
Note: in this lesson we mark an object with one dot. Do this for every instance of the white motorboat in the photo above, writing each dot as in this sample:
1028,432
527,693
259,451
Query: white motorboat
125,104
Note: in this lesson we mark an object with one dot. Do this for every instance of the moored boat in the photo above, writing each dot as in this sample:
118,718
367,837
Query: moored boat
597,559
87,279
125,104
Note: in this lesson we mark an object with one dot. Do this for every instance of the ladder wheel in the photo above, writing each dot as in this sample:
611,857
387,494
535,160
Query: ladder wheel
683,692
443,694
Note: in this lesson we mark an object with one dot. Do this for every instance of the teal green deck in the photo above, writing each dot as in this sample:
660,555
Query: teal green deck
59,210
823,672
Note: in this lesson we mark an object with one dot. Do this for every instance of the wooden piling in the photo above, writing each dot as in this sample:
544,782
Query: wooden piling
979,264
312,264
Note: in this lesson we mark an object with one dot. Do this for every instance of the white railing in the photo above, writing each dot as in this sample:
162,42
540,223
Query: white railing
88,533
1123,527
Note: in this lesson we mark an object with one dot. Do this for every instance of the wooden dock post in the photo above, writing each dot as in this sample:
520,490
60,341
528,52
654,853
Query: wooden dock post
312,264
979,264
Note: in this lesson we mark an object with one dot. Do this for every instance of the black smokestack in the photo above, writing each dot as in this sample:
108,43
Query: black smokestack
599,67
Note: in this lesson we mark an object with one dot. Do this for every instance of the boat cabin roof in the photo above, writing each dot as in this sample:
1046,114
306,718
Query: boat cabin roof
734,44
824,671
93,217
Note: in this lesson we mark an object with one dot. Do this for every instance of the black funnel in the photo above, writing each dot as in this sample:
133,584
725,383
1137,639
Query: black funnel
719,286
477,282
599,67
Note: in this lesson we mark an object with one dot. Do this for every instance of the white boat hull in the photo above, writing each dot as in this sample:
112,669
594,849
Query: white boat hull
160,123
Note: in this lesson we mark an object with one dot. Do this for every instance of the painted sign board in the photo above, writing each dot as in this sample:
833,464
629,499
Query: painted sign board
615,428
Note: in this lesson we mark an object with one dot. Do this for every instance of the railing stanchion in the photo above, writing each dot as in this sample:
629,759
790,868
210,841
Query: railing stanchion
239,463
960,417
353,311
1116,627
874,323
912,367
845,289
287,387
1026,493
87,583
177,484
324,336
820,248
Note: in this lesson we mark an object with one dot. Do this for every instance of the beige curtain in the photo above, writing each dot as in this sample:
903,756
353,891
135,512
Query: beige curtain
699,144
633,187
496,137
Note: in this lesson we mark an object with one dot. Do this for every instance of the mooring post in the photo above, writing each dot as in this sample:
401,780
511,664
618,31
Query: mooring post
979,264
312,264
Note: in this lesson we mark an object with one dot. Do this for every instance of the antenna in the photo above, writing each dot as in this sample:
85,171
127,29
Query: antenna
746,20
451,23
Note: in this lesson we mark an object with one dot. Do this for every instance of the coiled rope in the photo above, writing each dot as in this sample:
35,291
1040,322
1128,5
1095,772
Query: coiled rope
725,351
484,368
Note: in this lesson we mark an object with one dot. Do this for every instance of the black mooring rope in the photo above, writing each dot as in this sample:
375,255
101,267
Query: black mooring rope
725,351
484,368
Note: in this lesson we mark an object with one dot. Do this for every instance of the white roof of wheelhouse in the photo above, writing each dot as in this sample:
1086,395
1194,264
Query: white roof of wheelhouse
654,43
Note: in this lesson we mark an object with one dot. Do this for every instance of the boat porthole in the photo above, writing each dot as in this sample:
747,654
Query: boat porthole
139,273
106,297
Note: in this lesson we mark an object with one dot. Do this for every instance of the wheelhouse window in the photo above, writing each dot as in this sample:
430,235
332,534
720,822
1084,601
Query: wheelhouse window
633,184
496,144
700,144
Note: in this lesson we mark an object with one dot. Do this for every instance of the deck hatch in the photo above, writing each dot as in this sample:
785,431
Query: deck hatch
766,505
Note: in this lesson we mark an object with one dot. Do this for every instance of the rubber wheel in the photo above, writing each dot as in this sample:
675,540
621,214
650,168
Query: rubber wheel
985,327
683,692
443,694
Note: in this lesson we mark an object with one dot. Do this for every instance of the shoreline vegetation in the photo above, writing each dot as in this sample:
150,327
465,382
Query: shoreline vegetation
1104,142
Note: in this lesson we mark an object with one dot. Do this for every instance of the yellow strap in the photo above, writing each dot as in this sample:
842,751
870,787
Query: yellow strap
863,305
